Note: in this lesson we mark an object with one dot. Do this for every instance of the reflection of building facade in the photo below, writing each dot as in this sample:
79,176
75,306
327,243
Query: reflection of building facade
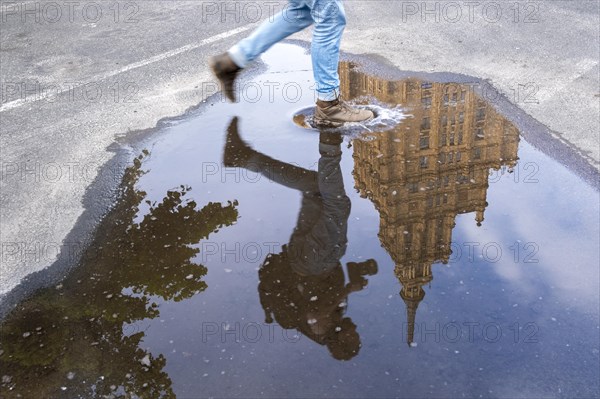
427,170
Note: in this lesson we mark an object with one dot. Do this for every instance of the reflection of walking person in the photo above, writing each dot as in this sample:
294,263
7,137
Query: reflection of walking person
303,287
329,20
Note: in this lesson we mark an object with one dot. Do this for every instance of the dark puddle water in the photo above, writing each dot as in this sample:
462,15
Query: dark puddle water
443,257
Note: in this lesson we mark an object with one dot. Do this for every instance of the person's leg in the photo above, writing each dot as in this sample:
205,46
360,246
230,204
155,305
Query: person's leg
330,21
293,18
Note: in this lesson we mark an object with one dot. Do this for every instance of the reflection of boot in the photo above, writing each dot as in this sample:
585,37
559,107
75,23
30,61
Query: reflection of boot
357,271
237,152
330,138
226,71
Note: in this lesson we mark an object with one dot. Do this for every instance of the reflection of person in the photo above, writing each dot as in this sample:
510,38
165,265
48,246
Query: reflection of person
329,20
303,287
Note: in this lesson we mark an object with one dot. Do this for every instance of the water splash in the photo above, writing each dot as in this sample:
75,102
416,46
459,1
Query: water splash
386,118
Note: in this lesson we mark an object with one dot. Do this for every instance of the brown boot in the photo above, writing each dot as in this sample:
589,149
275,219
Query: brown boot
226,71
335,113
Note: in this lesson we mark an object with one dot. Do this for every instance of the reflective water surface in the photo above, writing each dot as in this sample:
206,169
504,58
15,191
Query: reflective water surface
250,257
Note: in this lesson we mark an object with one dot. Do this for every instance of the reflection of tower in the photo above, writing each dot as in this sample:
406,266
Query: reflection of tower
413,278
424,172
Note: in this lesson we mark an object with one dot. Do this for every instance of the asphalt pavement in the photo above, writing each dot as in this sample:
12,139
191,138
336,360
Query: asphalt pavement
78,76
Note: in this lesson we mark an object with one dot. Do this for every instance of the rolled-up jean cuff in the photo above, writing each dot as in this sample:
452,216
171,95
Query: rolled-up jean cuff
237,56
327,96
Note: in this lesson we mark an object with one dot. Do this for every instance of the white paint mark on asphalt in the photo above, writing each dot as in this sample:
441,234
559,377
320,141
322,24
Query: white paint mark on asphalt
17,103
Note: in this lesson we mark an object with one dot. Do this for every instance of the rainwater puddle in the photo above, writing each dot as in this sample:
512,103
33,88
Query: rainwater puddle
444,256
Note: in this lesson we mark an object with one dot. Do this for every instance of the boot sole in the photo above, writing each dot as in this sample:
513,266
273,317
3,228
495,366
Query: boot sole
333,124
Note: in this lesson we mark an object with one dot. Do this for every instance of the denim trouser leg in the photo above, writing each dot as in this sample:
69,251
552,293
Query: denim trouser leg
329,19
293,18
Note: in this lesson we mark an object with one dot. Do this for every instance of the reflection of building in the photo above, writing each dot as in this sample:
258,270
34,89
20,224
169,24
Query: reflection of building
427,170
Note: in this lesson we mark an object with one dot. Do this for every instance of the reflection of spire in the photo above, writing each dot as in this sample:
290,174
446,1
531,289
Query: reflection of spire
479,216
412,278
412,303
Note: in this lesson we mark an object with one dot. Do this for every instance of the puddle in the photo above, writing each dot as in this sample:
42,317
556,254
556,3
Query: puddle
443,257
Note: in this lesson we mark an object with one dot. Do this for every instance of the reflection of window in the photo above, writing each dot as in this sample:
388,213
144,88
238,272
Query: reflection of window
458,156
426,123
460,137
391,88
413,187
442,157
454,96
452,139
451,157
426,102
471,174
443,139
453,119
462,95
426,85
438,200
446,181
424,142
408,240
446,99
479,135
445,198
461,117
444,120
429,201
423,162
480,114
477,153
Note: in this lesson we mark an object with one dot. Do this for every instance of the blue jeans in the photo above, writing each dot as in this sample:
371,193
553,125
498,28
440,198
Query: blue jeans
329,19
